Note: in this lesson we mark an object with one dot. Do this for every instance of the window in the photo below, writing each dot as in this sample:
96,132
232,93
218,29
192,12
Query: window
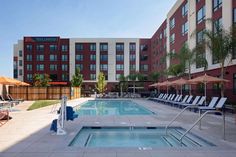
92,57
20,53
217,25
144,47
199,64
80,66
185,28
118,76
29,47
103,47
144,67
92,67
120,47
132,67
132,46
29,77
79,47
53,57
119,57
103,57
234,82
197,1
40,57
165,32
201,15
132,57
53,67
120,67
172,38
20,63
172,23
103,67
92,76
28,57
53,77
234,53
144,57
40,67
64,48
79,57
217,4
64,58
29,67
40,47
160,36
64,67
53,48
234,16
92,47
64,77
200,36
185,10
20,72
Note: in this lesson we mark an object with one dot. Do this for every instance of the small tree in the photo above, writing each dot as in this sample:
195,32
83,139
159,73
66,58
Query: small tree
123,84
45,80
37,80
101,83
77,78
154,76
133,77
176,70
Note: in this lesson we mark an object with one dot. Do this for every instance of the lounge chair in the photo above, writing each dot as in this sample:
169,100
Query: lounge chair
170,98
175,99
182,102
12,99
195,101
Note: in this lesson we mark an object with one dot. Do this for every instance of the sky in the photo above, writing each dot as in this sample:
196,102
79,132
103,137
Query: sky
76,18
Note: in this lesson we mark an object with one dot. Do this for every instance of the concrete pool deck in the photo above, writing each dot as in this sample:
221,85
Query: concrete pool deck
27,134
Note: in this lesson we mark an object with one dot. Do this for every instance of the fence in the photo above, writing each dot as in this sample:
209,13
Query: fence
44,93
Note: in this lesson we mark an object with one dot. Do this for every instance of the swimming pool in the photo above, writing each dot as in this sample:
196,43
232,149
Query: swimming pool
111,107
140,137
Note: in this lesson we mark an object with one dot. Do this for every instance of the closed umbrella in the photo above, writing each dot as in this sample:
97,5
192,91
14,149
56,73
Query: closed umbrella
180,82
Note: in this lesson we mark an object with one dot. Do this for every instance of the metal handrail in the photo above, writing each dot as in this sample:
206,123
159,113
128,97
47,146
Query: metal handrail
199,119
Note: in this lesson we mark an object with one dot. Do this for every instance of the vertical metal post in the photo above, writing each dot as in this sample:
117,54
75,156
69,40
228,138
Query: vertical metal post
223,116
200,127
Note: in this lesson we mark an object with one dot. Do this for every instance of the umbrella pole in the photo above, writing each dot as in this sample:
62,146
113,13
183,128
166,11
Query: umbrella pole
181,89
205,92
167,90
177,92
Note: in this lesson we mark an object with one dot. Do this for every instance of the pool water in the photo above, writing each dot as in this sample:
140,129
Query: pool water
140,137
111,107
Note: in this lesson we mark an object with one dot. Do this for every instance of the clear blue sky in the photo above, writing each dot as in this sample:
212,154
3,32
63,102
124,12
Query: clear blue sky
76,18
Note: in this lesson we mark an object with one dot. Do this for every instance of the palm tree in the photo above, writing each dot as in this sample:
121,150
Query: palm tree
133,77
222,44
154,76
123,84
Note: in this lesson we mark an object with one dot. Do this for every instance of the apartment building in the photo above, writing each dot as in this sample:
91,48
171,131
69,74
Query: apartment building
184,23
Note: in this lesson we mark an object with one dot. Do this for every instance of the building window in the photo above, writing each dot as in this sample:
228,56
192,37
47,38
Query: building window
165,33
92,67
53,48
144,67
144,47
185,10
53,77
40,58
119,57
120,67
120,47
29,77
118,76
160,36
132,47
92,76
40,67
172,38
185,28
200,37
79,47
92,57
20,72
40,47
28,57
92,47
53,67
199,64
79,57
29,67
217,4
201,14
132,57
64,48
29,47
64,77
217,25
132,67
103,67
103,47
20,63
234,81
172,23
234,16
144,57
20,53
197,1
64,58
103,57
64,67
80,66
53,57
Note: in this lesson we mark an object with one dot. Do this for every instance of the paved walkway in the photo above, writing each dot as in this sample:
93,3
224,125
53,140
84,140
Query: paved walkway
27,134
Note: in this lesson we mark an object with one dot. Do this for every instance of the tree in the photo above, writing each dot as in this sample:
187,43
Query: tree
222,44
133,77
176,70
45,80
77,78
101,83
37,80
41,80
154,76
123,83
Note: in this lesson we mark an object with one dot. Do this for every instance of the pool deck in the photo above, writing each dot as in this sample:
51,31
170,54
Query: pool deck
27,134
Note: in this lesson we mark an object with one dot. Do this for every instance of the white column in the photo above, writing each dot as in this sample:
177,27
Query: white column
126,58
137,55
72,57
111,60
97,59
227,14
